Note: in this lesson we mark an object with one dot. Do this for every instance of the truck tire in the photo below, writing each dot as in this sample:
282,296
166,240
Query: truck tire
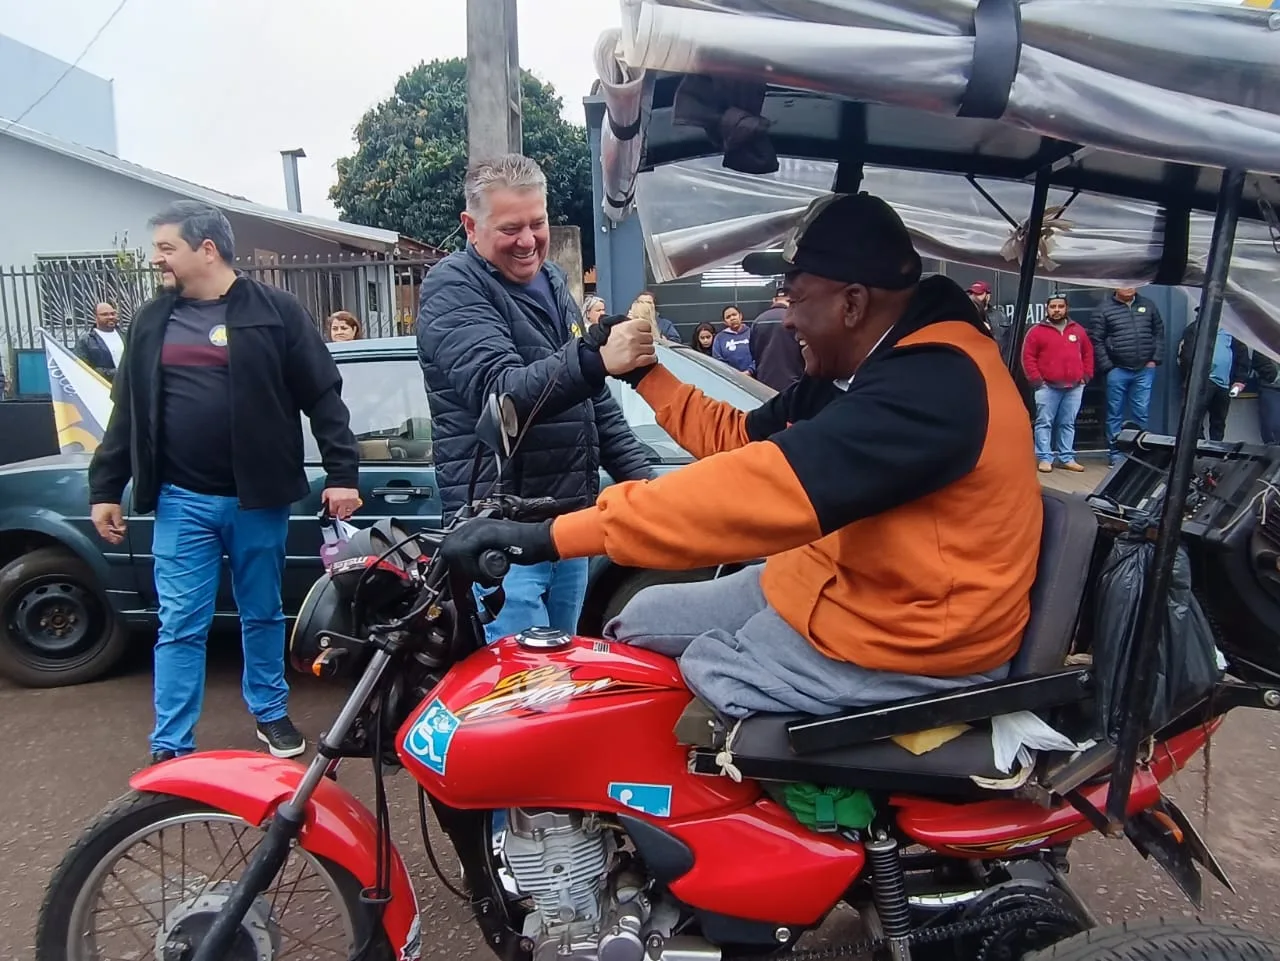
1159,940
57,627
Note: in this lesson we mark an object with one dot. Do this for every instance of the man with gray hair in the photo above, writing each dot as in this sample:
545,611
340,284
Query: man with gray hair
496,317
207,423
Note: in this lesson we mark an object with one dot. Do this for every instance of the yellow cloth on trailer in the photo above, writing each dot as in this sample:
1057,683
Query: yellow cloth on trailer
922,742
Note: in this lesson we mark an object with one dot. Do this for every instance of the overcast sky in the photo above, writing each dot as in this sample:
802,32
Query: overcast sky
213,91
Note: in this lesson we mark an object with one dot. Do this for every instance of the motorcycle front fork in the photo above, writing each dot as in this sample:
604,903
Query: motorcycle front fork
287,821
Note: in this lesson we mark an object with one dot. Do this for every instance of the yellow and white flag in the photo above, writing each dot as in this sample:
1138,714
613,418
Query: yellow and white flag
81,398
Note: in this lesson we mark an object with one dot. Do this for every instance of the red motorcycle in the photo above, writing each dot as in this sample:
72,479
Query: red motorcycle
598,811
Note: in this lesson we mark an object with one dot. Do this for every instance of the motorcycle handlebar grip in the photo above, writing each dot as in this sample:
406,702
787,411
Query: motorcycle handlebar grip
493,566
542,509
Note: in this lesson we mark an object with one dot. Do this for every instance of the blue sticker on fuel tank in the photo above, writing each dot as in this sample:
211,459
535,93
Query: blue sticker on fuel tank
651,799
429,739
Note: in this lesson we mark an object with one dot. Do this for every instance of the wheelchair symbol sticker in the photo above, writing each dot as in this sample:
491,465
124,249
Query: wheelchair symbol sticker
429,739
651,799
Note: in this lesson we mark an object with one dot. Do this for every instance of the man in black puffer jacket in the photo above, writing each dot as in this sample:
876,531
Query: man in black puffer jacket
1127,332
497,318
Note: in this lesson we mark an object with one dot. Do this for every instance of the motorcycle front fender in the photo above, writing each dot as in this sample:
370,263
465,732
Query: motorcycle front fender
338,827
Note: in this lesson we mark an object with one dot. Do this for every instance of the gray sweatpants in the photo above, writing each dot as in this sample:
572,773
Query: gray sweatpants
740,657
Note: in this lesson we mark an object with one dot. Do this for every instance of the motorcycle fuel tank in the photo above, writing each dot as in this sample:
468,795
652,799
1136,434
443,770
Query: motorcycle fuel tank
563,723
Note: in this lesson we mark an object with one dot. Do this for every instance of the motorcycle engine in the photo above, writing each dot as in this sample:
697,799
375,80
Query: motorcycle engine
582,911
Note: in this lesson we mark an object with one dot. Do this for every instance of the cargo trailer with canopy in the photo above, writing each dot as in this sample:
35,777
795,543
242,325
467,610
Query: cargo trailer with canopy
1116,143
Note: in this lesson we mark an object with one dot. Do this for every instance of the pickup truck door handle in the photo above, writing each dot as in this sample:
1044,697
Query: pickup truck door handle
405,490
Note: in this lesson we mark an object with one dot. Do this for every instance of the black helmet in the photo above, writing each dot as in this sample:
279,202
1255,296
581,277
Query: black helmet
324,613
370,569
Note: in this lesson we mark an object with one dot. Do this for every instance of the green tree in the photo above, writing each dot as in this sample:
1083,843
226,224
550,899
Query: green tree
406,174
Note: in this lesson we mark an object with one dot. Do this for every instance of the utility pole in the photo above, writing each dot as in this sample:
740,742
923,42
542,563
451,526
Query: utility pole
493,79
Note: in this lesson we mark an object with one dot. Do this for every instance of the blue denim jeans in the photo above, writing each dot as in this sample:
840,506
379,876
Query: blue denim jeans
192,532
549,594
1056,411
1131,387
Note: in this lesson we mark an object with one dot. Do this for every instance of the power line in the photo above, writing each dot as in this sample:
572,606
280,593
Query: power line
75,63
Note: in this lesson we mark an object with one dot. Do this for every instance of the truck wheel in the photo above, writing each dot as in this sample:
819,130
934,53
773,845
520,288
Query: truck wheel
57,627
1159,940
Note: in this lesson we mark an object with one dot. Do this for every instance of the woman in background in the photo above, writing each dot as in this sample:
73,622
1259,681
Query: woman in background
592,309
643,310
703,337
733,344
343,326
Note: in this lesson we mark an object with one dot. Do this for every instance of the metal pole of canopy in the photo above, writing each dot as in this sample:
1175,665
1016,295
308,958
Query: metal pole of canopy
1144,655
1027,269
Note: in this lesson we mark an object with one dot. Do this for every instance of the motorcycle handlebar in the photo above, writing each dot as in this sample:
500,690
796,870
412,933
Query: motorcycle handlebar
493,566
539,508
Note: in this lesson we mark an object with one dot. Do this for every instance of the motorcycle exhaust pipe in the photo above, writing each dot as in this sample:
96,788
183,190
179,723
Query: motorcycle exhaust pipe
688,949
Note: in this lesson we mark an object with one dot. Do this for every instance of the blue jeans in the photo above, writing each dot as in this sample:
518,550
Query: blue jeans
192,532
549,594
1133,387
1056,411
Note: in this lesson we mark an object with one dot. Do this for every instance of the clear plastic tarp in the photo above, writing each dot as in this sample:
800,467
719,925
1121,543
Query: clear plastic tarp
1194,82
697,215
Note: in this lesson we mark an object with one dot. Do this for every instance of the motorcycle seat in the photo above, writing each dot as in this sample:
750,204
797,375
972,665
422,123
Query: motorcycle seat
762,745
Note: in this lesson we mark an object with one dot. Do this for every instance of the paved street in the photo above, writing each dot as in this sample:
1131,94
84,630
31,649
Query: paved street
67,752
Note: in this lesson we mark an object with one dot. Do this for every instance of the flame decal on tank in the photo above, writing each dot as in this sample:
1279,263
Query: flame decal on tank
535,690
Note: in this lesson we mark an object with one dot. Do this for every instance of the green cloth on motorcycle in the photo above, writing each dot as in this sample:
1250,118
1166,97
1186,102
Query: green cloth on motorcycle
828,809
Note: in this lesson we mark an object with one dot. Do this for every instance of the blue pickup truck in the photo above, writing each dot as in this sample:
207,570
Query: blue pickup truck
69,602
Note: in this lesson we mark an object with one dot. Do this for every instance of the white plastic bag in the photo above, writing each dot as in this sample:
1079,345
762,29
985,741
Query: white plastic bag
334,537
1014,736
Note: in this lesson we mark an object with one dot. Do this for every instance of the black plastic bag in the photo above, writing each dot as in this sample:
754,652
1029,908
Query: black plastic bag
1187,658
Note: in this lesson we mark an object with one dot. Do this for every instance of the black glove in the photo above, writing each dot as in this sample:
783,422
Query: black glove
525,544
598,335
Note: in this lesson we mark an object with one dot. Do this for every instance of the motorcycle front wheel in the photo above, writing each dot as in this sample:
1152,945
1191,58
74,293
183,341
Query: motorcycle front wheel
147,878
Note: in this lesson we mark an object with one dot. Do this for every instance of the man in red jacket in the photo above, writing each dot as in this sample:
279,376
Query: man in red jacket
1058,360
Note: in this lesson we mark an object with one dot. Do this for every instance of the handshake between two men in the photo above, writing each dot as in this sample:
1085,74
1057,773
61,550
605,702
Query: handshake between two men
626,346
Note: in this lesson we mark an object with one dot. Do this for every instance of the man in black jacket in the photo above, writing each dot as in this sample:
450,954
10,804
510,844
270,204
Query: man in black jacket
1228,371
1127,332
1268,396
102,345
775,353
496,318
207,423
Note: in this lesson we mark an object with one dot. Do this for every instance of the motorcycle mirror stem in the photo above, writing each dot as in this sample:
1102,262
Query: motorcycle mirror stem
497,429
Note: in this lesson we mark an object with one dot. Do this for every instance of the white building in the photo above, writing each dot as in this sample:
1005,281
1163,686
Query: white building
73,221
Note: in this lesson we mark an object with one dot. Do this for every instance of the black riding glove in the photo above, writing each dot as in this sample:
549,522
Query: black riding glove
524,544
598,335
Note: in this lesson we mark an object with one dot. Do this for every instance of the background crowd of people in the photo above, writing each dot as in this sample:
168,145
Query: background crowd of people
760,349
1121,342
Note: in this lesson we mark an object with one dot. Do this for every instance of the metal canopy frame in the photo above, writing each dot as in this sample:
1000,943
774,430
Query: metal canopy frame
815,126
1178,189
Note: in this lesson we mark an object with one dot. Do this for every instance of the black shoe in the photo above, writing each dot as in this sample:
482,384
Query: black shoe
158,757
281,738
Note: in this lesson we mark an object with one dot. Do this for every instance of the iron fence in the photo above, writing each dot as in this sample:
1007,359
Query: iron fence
60,294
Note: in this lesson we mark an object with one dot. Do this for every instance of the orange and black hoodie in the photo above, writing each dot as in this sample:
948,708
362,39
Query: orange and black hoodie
900,517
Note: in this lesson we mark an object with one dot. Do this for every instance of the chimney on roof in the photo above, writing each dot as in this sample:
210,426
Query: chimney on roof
292,188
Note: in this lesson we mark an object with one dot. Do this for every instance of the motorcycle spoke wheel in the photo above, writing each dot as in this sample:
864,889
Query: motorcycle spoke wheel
142,884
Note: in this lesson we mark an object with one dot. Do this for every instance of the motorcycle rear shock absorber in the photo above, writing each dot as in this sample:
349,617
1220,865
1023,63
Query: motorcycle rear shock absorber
889,889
